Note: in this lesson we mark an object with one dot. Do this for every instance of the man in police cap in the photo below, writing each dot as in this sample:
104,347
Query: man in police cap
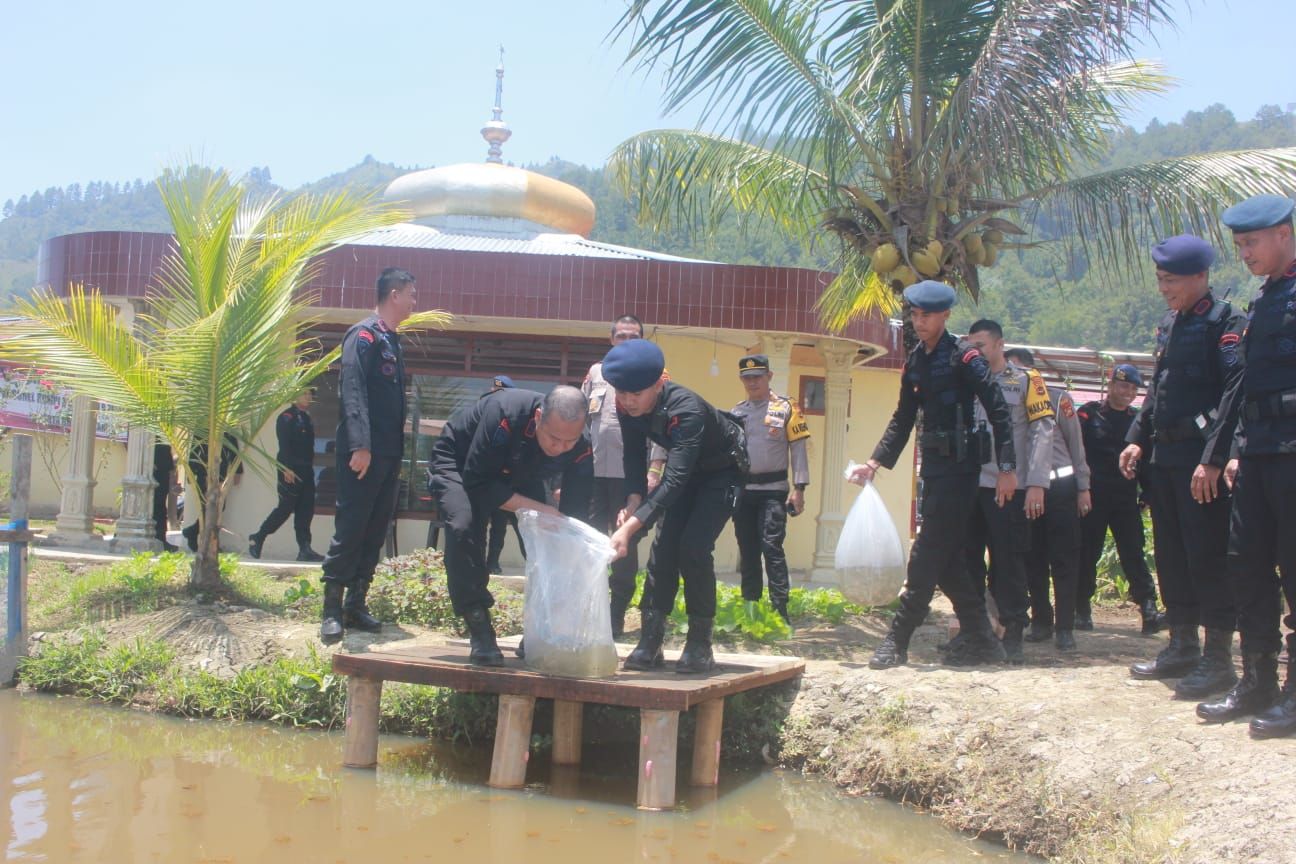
500,520
942,377
1115,499
498,454
1196,361
370,447
1263,527
776,436
706,459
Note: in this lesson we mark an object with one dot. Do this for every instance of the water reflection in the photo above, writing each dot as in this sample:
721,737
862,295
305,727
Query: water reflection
82,782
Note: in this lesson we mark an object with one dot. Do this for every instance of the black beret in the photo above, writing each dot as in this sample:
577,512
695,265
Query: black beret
1183,255
634,365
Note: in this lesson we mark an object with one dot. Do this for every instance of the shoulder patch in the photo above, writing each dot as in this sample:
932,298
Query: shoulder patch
1229,339
588,452
365,336
1203,306
287,414
672,427
1038,404
797,427
1067,406
970,355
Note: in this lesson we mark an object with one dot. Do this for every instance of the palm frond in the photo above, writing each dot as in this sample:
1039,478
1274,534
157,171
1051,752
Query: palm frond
857,292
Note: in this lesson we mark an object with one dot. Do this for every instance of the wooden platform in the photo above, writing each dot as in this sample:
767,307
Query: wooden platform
660,696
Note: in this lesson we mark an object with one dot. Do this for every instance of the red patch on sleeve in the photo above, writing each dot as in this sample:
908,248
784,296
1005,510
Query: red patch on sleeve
366,336
287,414
672,425
971,355
1067,406
1229,339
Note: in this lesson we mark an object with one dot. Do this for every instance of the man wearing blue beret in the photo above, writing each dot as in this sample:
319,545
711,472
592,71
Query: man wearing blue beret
1263,526
942,377
1115,505
706,459
1196,362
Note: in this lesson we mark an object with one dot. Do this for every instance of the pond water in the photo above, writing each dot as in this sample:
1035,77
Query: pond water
82,782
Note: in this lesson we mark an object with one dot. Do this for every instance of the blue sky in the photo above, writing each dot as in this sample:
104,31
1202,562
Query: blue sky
115,91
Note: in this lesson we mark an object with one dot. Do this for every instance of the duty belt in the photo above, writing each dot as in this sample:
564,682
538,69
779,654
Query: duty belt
1187,429
768,477
1059,473
1281,404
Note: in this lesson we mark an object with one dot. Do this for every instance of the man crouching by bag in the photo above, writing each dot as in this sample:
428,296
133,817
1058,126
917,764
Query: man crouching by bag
706,459
497,454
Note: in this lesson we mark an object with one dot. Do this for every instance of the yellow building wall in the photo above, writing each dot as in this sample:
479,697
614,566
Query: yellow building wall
110,458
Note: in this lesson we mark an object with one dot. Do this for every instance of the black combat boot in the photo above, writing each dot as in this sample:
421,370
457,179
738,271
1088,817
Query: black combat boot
697,655
1039,632
1279,720
1153,620
648,653
190,534
1180,655
780,606
1256,691
484,650
894,649
1012,645
1214,672
1065,641
306,553
355,614
981,646
1084,614
255,543
331,625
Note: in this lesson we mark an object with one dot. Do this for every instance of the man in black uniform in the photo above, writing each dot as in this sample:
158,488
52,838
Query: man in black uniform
370,444
706,459
1196,361
942,376
1115,501
296,481
163,477
500,520
498,454
1263,528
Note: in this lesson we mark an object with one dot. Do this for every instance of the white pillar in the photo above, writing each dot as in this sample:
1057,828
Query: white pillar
134,531
838,357
778,348
75,524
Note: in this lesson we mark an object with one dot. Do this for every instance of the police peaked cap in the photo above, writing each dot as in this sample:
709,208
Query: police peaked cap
1127,372
930,295
1183,255
634,365
753,364
1262,211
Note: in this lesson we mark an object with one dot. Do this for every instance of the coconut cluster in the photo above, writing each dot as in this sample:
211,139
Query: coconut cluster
928,261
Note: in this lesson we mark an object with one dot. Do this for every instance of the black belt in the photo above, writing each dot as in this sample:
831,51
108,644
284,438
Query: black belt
1281,404
1187,429
768,477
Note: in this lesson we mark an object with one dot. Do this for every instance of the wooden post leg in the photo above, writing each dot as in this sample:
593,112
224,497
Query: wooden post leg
658,741
568,717
363,698
512,742
706,743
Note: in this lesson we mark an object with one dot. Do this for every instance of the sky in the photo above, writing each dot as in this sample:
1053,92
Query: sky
115,91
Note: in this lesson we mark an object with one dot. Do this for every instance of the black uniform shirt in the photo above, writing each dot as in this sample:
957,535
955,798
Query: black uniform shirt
490,448
372,389
1264,398
697,438
943,384
1104,430
1196,362
296,434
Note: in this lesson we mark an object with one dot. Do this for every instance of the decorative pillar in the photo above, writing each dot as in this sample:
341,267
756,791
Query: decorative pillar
75,524
135,530
778,348
838,359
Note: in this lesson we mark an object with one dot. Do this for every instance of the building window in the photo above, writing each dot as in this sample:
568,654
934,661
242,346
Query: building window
812,396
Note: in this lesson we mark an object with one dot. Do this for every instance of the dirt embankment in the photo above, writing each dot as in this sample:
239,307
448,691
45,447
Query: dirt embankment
1067,756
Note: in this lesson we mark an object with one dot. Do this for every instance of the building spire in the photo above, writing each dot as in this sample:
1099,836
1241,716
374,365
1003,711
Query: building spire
496,131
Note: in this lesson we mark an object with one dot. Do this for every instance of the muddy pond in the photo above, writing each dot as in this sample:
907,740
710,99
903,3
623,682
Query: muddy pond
82,782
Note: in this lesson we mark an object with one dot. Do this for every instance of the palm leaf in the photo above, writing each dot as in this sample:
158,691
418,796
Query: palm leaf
856,292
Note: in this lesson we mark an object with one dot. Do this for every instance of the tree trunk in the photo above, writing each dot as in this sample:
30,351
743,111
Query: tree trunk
206,566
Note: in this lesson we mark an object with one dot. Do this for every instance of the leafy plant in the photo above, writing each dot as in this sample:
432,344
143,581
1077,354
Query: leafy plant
412,589
1113,584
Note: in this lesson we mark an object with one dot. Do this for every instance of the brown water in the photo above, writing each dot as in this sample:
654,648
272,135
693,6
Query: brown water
85,782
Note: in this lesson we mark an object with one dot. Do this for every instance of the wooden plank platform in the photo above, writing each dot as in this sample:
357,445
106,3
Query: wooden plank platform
659,695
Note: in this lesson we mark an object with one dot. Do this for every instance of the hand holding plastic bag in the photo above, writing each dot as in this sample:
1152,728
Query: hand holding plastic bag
566,619
870,558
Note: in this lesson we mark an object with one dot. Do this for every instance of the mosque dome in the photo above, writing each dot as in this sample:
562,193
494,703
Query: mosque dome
492,189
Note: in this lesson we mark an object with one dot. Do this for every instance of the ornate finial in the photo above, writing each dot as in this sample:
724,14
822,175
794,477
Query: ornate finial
496,131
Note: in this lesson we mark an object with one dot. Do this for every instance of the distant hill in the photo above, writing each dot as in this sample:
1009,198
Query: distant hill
1042,296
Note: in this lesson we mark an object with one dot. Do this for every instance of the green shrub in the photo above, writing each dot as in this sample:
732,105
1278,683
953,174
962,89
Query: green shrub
412,589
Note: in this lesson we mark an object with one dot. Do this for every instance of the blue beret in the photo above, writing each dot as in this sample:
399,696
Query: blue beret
1183,255
1127,372
634,365
1262,211
930,295
502,382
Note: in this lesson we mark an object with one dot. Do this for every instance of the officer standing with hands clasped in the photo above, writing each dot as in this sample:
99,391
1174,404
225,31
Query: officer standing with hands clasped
706,459
296,486
776,434
1263,527
942,376
1196,362
370,445
1115,499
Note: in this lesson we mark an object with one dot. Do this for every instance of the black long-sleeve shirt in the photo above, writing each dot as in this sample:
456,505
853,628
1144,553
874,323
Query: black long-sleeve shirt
1104,430
372,390
296,434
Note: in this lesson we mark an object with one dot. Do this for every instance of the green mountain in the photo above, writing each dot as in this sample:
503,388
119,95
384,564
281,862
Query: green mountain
1047,295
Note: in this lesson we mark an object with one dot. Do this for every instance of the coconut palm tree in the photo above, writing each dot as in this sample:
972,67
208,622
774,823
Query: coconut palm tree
925,135
218,351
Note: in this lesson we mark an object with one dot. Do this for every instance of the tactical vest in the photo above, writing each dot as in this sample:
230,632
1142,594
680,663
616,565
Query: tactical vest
1187,359
941,399
1269,348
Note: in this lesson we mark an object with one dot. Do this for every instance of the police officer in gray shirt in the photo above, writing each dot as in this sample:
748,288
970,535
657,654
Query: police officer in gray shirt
776,434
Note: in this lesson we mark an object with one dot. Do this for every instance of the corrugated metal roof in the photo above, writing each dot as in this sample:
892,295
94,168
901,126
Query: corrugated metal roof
410,236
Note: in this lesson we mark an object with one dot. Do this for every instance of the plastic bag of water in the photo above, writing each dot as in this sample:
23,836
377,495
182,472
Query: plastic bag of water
870,558
566,619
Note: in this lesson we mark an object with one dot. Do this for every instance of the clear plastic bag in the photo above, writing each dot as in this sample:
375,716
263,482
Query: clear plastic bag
566,618
870,558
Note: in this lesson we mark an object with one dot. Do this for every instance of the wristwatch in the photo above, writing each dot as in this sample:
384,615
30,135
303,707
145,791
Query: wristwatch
1007,467
800,487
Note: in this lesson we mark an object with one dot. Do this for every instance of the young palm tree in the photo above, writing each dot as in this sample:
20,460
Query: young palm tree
218,352
923,134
